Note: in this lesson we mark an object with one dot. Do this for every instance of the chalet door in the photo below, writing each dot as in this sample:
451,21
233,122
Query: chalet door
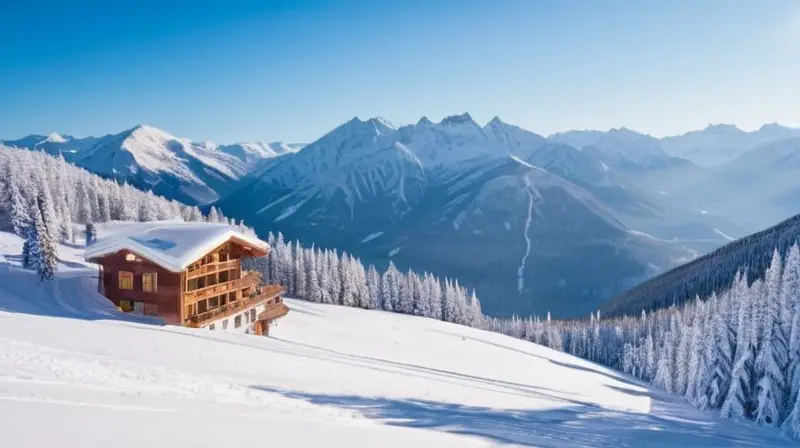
138,308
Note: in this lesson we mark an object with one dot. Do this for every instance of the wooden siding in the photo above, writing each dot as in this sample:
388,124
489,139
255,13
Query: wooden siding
167,296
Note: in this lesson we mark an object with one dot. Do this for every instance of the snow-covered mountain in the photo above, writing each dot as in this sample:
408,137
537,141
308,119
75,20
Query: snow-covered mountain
327,375
721,143
149,158
457,198
757,188
622,149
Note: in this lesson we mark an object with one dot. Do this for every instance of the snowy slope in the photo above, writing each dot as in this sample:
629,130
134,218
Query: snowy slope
326,376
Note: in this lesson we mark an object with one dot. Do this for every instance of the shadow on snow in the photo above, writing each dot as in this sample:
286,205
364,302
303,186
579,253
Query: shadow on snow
569,426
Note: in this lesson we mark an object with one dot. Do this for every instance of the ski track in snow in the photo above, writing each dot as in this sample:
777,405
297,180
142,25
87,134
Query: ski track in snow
521,269
724,235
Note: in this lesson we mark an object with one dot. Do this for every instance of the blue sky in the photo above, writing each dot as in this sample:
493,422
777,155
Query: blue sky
239,70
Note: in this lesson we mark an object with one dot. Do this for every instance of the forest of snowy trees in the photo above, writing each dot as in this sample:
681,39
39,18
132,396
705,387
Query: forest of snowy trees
43,199
737,352
711,272
325,276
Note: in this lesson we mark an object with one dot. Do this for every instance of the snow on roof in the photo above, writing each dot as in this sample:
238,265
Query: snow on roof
173,245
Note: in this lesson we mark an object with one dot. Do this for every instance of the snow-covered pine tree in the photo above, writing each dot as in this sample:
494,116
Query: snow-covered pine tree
770,362
736,404
84,202
314,290
405,298
19,214
435,293
31,247
790,292
373,288
324,276
213,215
47,263
347,289
389,288
334,279
301,285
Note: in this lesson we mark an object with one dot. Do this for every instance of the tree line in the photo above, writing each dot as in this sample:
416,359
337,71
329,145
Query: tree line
737,351
326,276
44,199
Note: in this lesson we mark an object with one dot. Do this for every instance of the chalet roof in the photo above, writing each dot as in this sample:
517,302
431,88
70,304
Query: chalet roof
173,245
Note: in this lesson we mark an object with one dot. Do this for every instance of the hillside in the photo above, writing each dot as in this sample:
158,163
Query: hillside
326,375
712,272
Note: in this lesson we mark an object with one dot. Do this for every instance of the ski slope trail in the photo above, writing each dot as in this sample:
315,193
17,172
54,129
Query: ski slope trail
327,376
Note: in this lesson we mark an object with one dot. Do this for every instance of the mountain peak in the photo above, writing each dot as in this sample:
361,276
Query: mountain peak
773,127
55,138
424,121
496,121
457,119
721,127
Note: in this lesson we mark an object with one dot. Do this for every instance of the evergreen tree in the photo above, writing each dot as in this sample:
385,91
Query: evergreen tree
47,261
20,218
771,360
373,288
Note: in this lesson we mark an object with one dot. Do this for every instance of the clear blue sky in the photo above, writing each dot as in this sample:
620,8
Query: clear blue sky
237,70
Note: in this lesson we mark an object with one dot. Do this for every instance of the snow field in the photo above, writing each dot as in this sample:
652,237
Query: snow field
75,372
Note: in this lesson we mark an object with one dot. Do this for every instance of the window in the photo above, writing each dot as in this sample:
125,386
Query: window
253,315
149,282
125,280
190,309
126,306
246,317
202,306
225,324
213,302
211,327
237,322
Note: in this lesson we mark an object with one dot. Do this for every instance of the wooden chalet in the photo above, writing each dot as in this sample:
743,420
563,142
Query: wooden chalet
189,274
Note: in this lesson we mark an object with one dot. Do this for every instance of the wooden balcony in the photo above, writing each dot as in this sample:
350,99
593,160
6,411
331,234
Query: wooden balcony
251,279
269,294
274,311
212,268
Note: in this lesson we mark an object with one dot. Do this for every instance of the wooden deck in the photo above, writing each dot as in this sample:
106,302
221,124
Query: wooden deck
269,295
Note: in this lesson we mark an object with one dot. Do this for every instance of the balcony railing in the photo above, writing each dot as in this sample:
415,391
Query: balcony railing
211,268
221,288
269,294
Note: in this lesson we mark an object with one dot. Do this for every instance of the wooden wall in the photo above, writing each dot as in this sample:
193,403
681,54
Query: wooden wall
166,298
